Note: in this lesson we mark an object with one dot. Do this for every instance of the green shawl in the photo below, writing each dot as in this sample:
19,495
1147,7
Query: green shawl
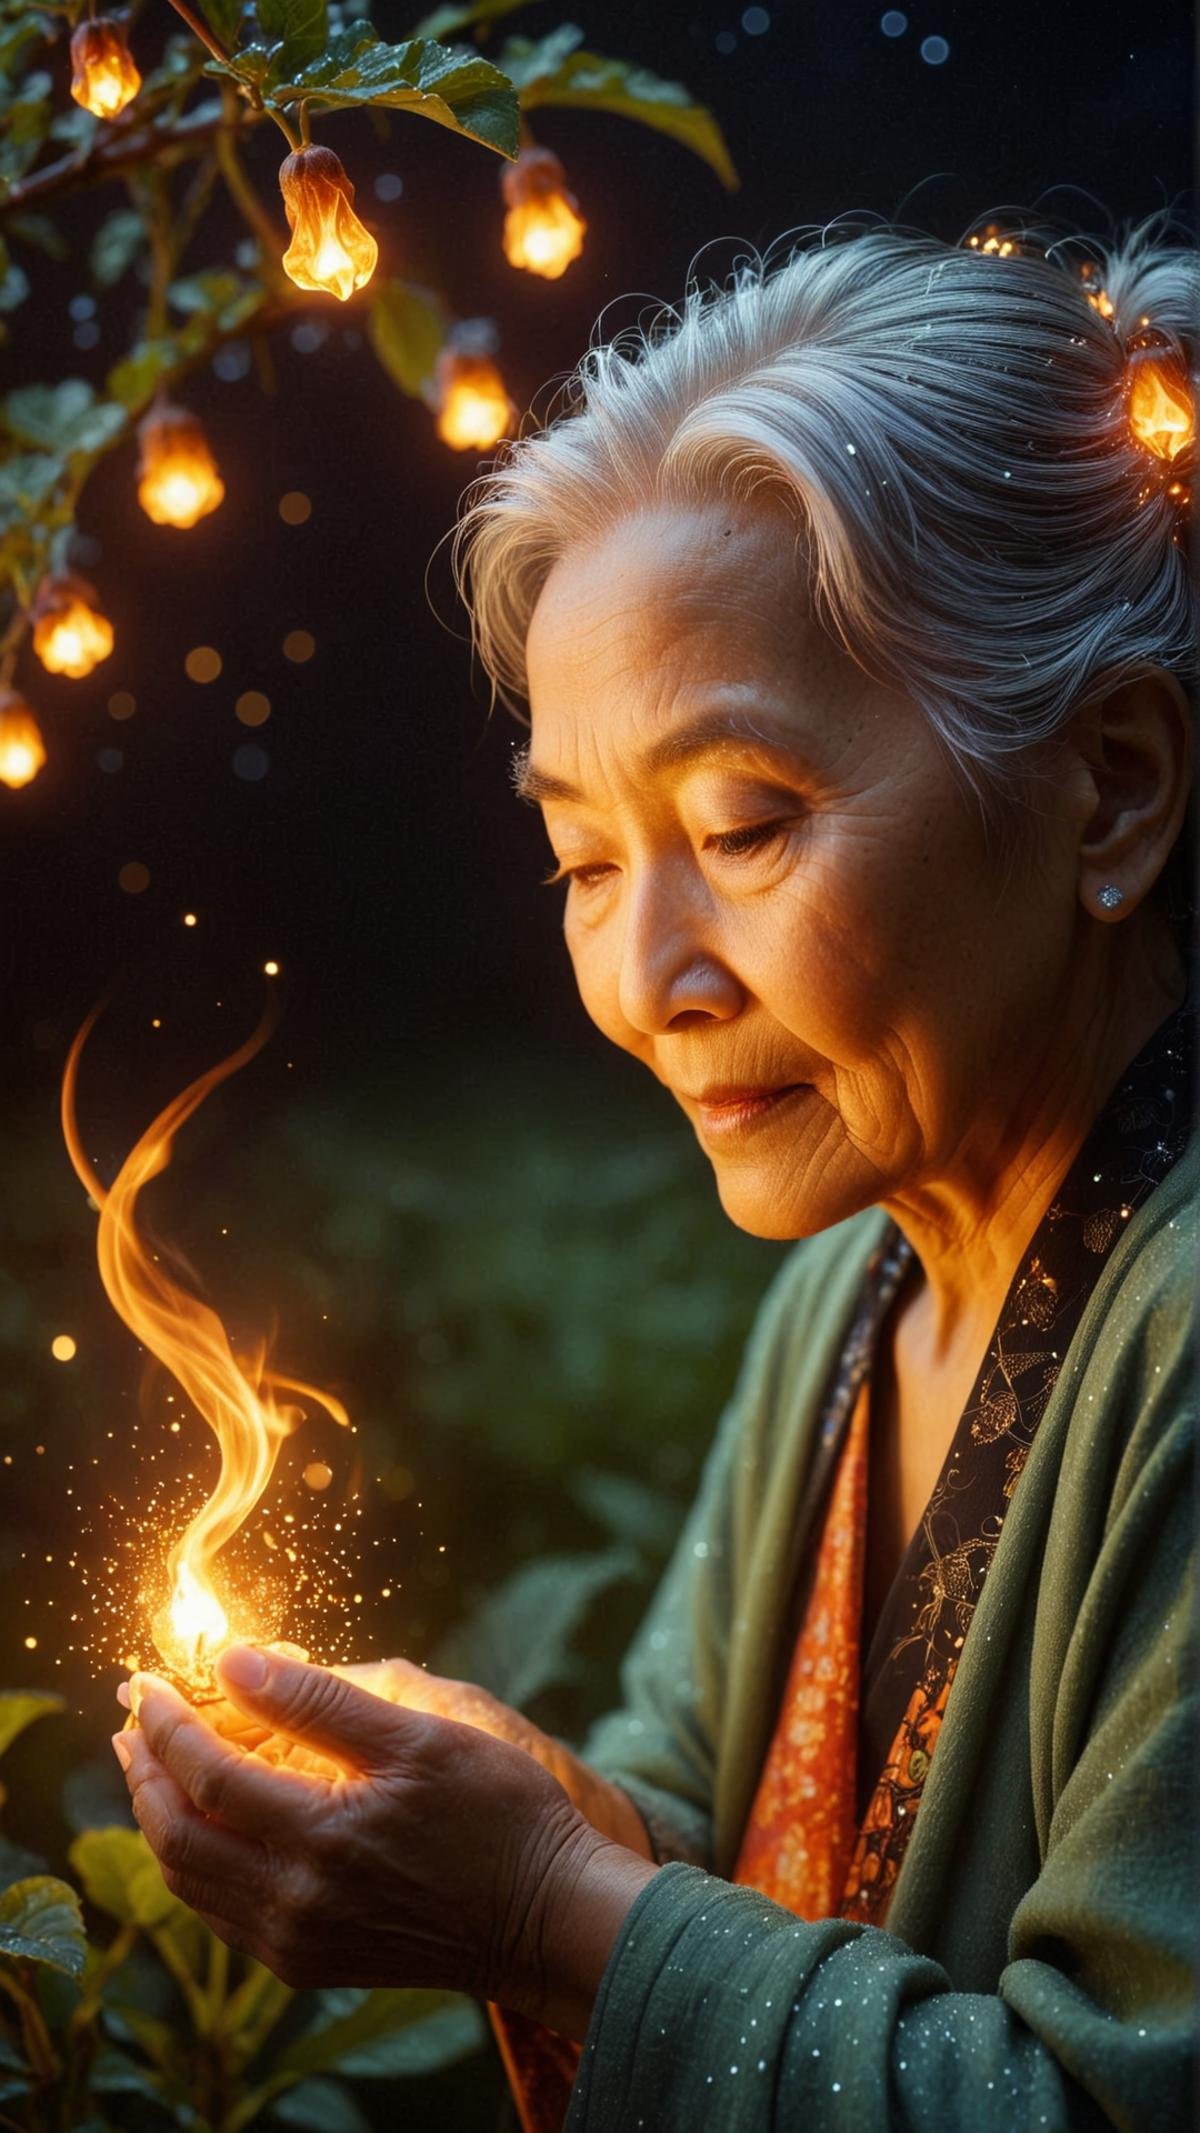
1036,1968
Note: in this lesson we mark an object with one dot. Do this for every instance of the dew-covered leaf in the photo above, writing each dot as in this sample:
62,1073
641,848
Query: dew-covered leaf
454,87
41,1922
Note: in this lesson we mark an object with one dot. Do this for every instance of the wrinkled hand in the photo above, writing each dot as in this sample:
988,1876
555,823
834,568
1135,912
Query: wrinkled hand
413,1688
438,1855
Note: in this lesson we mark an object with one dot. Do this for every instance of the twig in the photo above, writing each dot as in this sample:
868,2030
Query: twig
201,30
110,160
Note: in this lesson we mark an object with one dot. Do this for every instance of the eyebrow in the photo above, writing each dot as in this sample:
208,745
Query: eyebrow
702,736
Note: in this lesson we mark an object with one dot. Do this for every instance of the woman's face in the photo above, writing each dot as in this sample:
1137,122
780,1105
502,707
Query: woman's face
778,896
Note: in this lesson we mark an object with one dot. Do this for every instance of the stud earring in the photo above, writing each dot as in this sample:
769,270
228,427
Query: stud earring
1110,896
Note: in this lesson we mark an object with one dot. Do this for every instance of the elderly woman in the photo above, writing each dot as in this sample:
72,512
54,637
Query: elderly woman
852,613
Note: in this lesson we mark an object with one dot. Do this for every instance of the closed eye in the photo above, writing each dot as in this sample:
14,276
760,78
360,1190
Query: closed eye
732,843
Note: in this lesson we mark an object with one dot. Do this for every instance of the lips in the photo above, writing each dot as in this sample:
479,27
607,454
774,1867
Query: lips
728,1111
731,1095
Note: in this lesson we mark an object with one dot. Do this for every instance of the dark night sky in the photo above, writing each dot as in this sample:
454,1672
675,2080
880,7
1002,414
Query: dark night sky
381,858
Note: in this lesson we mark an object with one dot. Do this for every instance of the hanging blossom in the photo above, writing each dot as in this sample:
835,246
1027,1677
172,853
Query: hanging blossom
104,77
178,481
70,634
330,250
543,229
473,407
22,750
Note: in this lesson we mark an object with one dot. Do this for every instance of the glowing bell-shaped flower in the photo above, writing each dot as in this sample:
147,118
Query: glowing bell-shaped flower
473,408
103,75
330,249
1161,414
543,229
22,752
178,481
70,635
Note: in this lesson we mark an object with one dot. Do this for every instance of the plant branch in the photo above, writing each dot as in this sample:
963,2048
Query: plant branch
168,145
201,30
249,205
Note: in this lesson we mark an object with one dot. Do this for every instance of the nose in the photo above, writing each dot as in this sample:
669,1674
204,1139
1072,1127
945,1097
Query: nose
671,965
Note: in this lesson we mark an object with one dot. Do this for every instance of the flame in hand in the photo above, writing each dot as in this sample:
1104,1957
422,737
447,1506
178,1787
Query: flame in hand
235,1396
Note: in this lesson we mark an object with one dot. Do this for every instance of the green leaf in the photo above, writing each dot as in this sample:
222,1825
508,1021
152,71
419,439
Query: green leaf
20,1707
132,381
251,2012
447,21
378,2033
224,18
516,1642
554,71
320,2106
406,327
121,1875
113,2074
40,232
41,1922
455,88
14,282
116,245
301,27
219,294
62,418
630,1508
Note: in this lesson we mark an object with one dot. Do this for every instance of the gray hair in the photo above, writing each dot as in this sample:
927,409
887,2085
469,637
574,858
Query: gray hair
949,426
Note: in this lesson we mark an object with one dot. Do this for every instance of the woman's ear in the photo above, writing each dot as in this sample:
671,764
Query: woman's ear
1135,743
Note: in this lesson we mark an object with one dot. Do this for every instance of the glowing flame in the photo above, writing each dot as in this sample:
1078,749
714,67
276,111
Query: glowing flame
543,229
235,1397
104,77
70,635
1161,415
22,751
474,409
993,241
178,481
330,251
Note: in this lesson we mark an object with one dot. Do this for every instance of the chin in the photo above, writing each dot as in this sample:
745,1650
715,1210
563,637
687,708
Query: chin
783,1213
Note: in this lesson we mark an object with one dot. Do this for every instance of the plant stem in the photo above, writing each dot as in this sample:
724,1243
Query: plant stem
251,208
201,30
168,145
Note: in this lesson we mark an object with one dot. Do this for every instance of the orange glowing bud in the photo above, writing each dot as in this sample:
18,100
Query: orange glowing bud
543,229
21,750
103,75
330,250
1161,414
70,635
1100,301
473,408
178,481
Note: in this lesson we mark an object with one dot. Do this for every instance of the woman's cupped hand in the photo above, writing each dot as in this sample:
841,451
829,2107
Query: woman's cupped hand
377,1840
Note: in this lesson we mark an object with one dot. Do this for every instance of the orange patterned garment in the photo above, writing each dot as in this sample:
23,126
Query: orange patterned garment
803,1846
802,1830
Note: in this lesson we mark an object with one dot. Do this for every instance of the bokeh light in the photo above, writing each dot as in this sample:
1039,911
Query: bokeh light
63,1348
934,51
252,708
203,663
134,877
121,704
299,646
250,763
295,507
893,23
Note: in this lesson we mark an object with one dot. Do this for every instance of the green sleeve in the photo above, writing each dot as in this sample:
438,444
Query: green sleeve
660,1746
720,2009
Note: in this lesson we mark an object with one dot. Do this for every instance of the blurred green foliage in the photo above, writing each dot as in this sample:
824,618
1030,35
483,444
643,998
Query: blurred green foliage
526,1291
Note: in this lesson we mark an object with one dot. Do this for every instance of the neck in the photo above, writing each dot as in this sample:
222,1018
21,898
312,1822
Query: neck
971,1224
